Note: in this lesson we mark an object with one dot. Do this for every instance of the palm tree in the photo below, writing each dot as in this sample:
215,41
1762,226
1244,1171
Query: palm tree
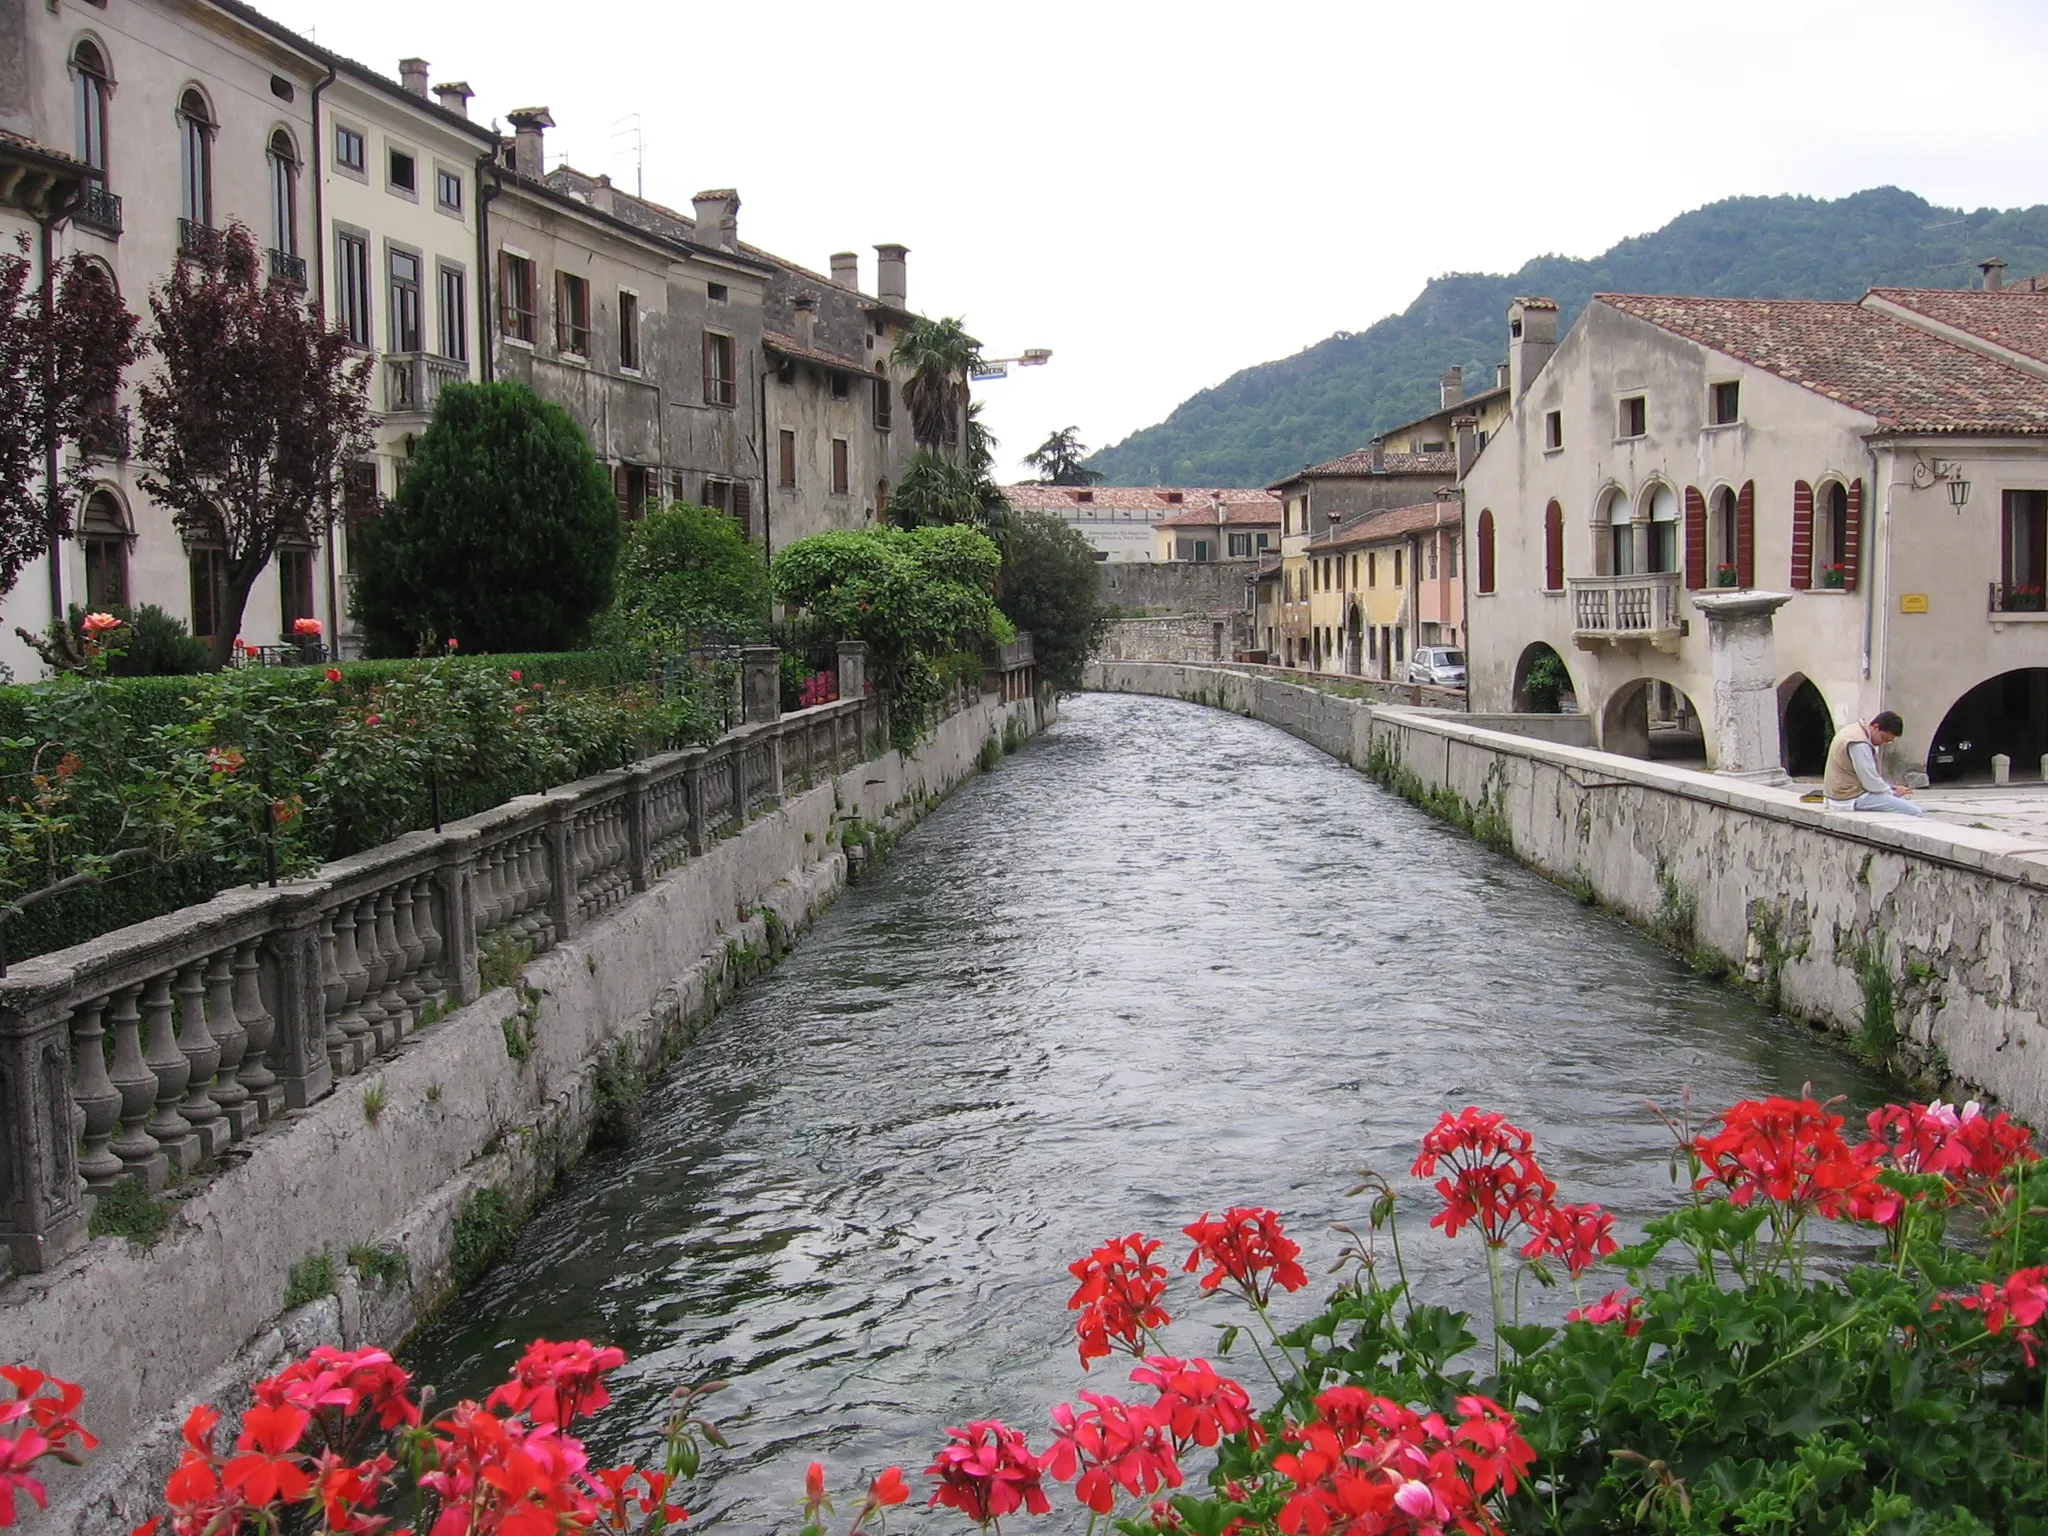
938,355
1058,459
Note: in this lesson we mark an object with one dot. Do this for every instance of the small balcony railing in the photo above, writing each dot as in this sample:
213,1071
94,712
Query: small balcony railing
105,435
413,381
197,239
1619,608
2018,597
287,268
98,209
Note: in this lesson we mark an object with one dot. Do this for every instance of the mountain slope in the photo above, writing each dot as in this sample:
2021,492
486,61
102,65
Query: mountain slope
1330,398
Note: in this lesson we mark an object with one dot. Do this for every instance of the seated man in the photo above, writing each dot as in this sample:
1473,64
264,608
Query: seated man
1852,781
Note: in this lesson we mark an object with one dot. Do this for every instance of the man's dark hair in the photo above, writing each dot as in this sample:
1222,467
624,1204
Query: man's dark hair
1890,724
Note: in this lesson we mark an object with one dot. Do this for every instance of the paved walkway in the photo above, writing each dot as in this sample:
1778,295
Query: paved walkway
2020,810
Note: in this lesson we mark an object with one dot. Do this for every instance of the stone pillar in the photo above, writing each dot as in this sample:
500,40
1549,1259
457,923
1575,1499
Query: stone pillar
1745,703
2001,768
853,669
760,683
298,1046
563,904
42,1206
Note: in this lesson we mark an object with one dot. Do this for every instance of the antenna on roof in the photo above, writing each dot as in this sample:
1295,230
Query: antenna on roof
629,127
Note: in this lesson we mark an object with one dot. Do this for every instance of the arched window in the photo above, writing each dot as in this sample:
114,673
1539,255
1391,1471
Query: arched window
1620,519
195,160
1486,549
103,529
1663,528
1723,554
89,80
1553,548
284,195
1831,535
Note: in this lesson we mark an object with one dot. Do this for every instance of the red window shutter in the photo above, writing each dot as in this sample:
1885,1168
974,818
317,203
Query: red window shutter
1802,536
1745,535
1695,538
1852,537
1553,548
743,505
1486,551
619,486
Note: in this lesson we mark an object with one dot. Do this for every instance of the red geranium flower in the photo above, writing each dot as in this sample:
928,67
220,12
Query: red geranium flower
1791,1152
1118,1297
1197,1406
334,674
2021,1299
1615,1307
987,1471
1247,1248
1581,1235
1108,1445
558,1383
268,1470
1494,1182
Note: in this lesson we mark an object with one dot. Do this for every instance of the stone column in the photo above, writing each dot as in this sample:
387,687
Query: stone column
1745,704
853,669
761,683
42,1209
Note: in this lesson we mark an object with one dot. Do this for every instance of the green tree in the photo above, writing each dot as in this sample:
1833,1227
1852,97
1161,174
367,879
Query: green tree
933,491
938,354
505,533
1058,459
687,569
1050,587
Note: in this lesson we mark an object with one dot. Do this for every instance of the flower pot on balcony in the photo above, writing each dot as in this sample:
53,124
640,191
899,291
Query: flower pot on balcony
1724,576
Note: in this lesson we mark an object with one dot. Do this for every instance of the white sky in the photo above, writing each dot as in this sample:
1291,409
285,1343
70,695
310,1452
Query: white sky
1164,193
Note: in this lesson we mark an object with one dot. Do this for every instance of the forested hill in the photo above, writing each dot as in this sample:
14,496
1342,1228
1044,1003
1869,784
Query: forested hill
1270,419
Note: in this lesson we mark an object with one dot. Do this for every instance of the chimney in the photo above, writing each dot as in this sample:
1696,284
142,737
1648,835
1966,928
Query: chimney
846,269
1500,375
890,281
454,96
1994,274
807,319
1465,429
718,218
1532,337
412,74
1379,455
601,195
1450,388
529,144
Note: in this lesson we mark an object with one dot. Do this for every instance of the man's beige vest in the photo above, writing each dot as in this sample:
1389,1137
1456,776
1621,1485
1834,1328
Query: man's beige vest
1840,781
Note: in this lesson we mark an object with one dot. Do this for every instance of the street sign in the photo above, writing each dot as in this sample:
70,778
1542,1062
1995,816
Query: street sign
991,371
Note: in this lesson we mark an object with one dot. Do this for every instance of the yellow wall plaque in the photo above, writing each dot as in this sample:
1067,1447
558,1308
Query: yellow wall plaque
1912,602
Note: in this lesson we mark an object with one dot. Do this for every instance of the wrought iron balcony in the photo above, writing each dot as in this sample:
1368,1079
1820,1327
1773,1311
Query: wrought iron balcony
287,268
197,239
413,381
105,435
1617,610
98,209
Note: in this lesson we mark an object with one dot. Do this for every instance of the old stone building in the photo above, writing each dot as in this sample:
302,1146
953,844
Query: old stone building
1120,521
1380,585
1243,528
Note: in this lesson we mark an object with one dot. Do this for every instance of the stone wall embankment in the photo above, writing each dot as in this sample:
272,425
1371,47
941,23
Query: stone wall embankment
498,1095
1840,920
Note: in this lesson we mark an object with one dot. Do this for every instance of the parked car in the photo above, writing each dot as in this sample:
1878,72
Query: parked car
1437,664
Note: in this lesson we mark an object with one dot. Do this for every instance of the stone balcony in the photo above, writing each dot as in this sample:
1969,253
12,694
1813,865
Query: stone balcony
413,381
1627,610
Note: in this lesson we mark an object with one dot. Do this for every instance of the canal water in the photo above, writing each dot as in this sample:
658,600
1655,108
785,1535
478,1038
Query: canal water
1163,960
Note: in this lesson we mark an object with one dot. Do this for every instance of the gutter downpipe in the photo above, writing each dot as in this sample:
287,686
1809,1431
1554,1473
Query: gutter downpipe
319,159
485,195
767,527
53,545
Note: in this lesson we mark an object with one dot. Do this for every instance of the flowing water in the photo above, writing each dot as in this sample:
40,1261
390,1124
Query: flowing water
1164,960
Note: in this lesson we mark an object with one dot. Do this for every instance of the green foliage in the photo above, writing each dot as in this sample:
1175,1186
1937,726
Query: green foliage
915,595
483,1227
504,534
501,960
1678,910
620,1089
991,755
1051,588
686,571
311,1278
937,354
382,1267
129,1210
1058,459
1879,1035
1013,735
933,490
1546,682
150,643
1268,420
375,1097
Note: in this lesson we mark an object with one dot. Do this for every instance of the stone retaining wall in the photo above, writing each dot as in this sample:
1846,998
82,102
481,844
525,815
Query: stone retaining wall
1828,914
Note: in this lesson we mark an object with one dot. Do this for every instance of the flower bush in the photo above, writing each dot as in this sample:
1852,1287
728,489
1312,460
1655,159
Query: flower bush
1737,1393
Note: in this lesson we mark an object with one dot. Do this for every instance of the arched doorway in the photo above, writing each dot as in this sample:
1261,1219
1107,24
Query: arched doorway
2007,713
1354,641
1806,727
1543,685
1655,720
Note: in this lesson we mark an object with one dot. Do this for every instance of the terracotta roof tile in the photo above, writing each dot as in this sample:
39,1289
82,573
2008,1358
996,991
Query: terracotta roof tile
1360,463
1233,514
1909,379
2013,318
1391,523
1133,498
789,346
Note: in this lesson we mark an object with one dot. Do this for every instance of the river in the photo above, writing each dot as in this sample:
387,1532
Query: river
1161,961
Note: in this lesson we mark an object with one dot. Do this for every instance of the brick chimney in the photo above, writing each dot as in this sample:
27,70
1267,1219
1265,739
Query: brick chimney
529,142
1379,455
891,280
846,269
806,306
454,96
412,74
1994,274
1532,337
718,218
1450,389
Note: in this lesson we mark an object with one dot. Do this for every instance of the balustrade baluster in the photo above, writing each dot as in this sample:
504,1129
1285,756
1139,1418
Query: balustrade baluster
200,1048
333,993
355,1026
376,1027
432,983
134,1146
397,1017
411,947
98,1100
173,1071
232,1040
256,1074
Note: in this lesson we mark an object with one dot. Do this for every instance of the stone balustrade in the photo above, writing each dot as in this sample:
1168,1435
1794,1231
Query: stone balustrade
161,1047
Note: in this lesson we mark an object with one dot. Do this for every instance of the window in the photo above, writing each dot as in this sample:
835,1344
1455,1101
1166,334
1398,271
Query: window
883,403
1240,543
1451,556
518,303
195,160
454,334
348,149
785,459
294,586
2024,555
839,466
631,481
89,98
1432,559
284,195
629,329
1553,548
1621,535
841,386
208,569
1553,430
447,190
1486,559
1663,529
1201,550
721,384
572,314
1635,417
1397,568
1262,541
1726,404
1722,553
405,301
715,292
104,532
352,287
404,173
735,498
